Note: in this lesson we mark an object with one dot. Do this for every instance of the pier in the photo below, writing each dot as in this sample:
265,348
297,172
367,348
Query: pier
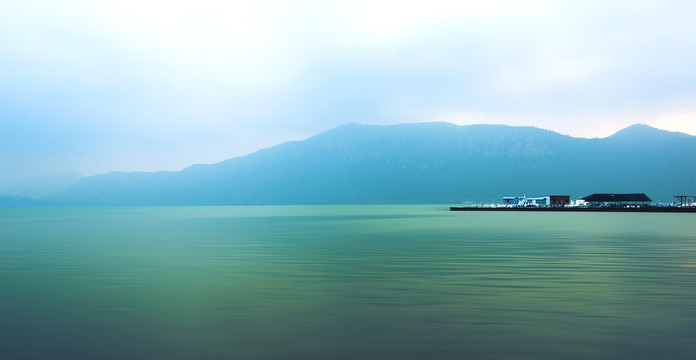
592,203
652,209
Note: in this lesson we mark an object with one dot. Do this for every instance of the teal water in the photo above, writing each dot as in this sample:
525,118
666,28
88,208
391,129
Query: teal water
345,282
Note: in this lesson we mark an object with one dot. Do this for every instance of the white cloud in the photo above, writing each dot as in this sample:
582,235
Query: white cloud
211,79
595,124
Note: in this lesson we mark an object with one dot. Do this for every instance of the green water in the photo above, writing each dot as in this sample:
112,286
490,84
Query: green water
345,282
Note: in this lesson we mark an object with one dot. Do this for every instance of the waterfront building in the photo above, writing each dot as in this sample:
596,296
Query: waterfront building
539,201
618,200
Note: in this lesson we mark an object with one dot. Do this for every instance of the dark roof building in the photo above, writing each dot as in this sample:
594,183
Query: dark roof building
618,199
559,200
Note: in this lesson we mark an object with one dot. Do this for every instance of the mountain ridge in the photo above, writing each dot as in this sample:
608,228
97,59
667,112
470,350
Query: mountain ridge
411,163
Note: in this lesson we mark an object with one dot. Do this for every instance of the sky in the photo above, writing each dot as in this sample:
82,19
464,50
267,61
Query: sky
148,85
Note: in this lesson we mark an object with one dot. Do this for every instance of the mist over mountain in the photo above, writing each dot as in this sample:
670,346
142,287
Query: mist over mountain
415,163
37,187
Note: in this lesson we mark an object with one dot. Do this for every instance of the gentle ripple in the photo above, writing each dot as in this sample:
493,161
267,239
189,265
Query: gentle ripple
345,282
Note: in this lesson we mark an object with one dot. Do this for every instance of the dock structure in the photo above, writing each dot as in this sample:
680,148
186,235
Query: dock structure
637,202
686,200
645,209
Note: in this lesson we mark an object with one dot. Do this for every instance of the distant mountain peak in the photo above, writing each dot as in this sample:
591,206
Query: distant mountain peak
413,163
644,131
637,128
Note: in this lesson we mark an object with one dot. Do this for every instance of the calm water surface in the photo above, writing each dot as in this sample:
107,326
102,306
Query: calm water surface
345,282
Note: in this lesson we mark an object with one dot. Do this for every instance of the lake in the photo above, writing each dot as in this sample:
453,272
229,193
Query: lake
345,282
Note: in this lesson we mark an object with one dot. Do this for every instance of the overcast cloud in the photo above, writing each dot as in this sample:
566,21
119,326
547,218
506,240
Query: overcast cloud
98,86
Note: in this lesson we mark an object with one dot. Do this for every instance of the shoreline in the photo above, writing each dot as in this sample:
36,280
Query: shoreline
579,209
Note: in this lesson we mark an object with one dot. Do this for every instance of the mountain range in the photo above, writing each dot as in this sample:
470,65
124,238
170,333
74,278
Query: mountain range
414,163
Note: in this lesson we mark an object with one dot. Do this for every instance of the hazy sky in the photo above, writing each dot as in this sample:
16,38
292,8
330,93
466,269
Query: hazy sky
98,86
